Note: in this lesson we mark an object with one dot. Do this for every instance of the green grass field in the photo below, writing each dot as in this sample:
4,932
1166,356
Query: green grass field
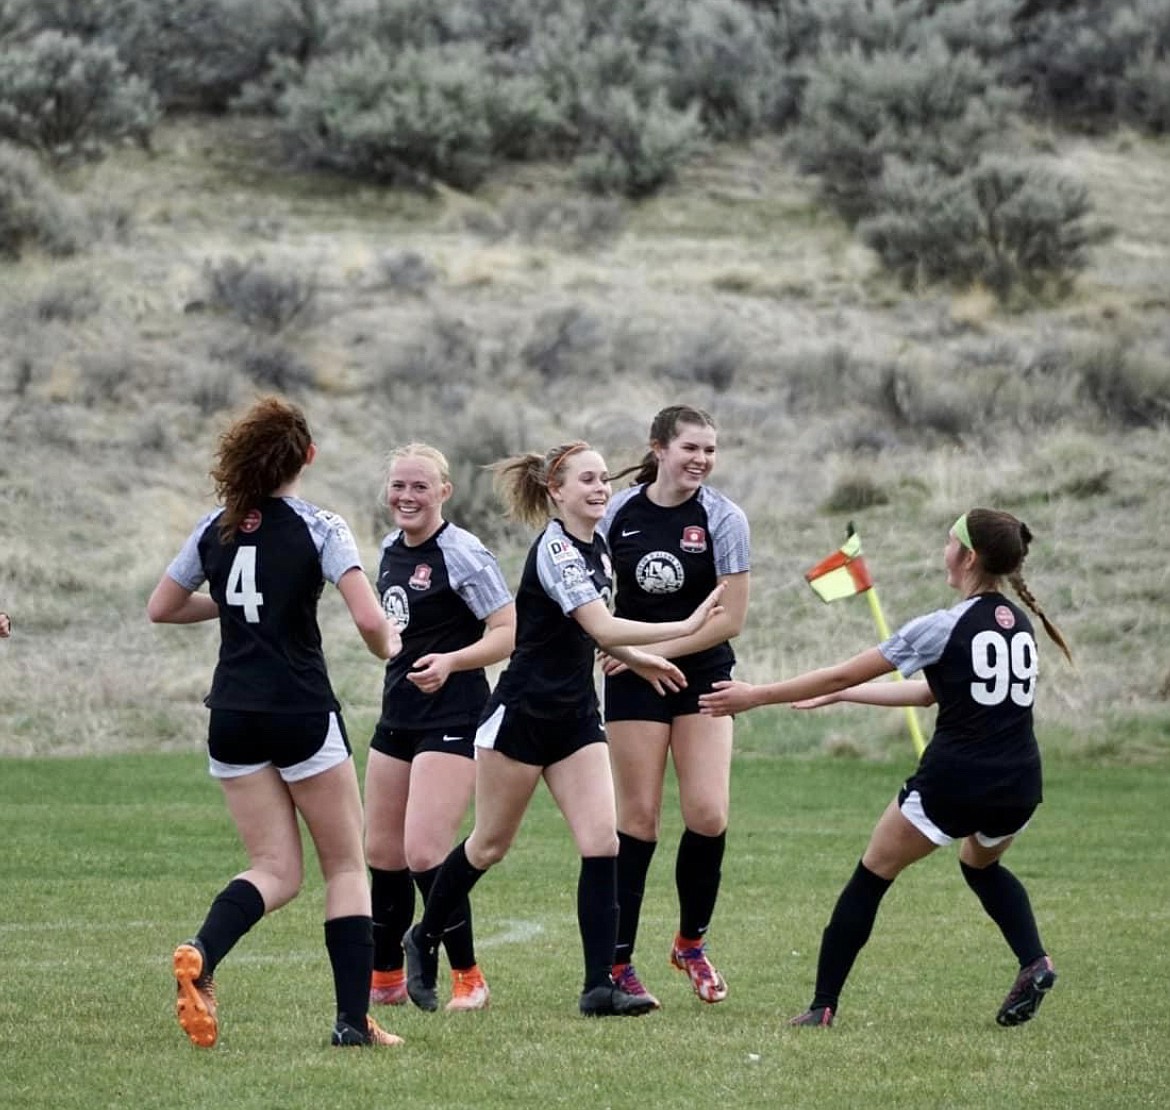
109,862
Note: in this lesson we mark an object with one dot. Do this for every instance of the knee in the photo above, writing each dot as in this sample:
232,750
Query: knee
975,876
640,818
279,885
486,851
603,844
425,857
383,856
708,819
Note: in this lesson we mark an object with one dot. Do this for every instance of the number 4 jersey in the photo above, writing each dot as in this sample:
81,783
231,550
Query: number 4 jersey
267,580
979,659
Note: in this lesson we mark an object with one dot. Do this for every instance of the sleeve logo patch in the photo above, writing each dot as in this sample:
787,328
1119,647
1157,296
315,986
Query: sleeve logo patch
573,574
562,551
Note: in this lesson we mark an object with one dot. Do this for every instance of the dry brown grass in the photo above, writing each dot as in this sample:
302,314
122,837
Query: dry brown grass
108,420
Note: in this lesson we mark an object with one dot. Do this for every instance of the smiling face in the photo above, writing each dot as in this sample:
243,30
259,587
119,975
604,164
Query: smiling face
686,461
415,492
581,490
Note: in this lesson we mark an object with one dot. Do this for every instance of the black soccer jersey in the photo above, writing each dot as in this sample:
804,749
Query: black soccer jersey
980,661
440,593
267,580
668,559
550,673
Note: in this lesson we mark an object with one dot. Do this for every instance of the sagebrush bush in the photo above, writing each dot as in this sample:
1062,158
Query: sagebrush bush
931,108
258,297
1128,388
33,211
67,98
1005,224
563,342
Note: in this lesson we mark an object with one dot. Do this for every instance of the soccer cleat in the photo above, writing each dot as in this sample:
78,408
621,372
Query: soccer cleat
609,1000
625,977
469,990
195,1003
347,1036
691,957
817,1017
388,988
1028,991
422,968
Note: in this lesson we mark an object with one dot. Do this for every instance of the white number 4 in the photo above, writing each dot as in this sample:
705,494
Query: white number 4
241,585
1006,672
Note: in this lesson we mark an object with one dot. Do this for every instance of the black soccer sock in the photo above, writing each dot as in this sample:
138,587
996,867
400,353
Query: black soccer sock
847,931
350,944
452,884
597,916
697,871
235,910
1006,901
392,899
458,938
633,865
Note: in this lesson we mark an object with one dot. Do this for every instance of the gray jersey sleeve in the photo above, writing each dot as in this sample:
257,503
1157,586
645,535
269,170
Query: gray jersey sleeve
334,540
473,572
730,533
920,642
563,572
187,568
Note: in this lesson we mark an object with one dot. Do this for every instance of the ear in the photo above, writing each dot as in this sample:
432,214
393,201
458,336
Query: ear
310,454
445,491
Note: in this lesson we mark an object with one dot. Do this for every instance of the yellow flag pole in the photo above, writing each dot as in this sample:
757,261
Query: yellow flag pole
875,607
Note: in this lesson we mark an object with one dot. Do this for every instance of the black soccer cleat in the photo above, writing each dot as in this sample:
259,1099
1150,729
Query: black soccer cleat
815,1017
608,1000
1028,991
422,969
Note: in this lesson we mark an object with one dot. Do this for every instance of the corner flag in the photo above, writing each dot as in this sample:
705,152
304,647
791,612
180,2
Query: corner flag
843,574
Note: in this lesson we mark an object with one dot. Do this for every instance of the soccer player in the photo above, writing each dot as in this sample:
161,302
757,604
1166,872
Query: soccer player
673,538
979,779
543,719
276,740
447,595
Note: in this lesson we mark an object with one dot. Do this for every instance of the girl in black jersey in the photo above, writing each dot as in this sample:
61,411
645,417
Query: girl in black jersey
543,720
672,539
445,592
979,778
276,740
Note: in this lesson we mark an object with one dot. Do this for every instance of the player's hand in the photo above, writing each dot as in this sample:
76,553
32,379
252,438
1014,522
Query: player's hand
393,640
661,673
727,698
610,665
709,607
430,672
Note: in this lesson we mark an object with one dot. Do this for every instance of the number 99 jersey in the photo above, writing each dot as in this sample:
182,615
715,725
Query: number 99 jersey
980,661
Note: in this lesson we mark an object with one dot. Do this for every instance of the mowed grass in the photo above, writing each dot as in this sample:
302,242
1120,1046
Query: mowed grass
108,862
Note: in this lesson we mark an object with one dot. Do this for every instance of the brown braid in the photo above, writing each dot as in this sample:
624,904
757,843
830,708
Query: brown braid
1016,578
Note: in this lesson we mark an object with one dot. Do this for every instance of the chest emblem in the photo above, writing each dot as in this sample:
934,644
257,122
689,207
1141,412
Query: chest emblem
659,573
396,606
421,579
694,539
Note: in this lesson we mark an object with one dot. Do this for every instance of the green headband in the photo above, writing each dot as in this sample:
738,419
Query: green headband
961,531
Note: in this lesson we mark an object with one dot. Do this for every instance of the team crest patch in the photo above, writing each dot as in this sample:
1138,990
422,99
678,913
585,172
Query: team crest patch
396,606
1004,617
572,574
421,579
659,573
694,539
561,551
251,521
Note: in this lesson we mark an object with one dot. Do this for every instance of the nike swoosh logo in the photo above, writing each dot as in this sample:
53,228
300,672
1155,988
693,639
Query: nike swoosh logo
634,532
448,739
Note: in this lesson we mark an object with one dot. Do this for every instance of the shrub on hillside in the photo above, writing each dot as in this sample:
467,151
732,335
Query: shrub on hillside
931,108
1078,63
67,98
412,118
33,213
258,297
1146,95
1004,224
